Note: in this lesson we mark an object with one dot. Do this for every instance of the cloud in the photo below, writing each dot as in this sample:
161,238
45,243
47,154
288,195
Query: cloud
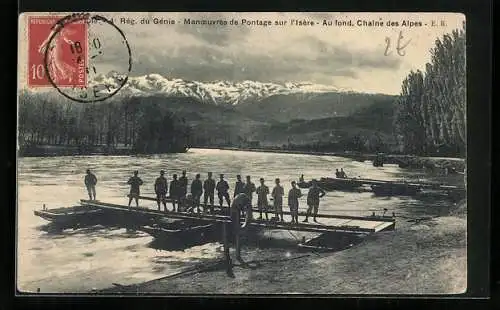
208,64
352,58
307,59
348,57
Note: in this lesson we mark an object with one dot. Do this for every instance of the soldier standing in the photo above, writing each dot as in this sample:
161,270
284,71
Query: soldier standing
239,187
90,183
183,184
262,204
223,191
293,202
135,183
196,191
175,192
315,193
277,194
209,189
161,188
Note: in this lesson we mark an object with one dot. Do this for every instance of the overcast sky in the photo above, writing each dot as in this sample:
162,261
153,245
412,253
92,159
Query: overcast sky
345,57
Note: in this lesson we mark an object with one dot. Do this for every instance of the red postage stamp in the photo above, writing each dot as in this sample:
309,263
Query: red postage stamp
66,58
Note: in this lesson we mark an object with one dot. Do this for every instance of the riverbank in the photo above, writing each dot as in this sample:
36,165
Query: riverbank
425,258
46,150
405,161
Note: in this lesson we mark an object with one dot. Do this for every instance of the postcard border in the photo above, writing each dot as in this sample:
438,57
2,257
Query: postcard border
478,132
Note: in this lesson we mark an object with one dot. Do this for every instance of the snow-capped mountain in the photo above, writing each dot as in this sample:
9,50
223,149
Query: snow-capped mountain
217,92
242,102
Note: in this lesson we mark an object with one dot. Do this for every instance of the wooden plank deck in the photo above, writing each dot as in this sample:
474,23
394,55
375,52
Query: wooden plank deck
384,226
61,214
350,224
271,210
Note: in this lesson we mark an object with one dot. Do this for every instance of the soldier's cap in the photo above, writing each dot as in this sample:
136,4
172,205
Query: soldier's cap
162,171
238,176
277,180
262,179
136,172
221,175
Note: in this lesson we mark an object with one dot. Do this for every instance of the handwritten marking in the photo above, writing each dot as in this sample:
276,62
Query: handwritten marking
399,47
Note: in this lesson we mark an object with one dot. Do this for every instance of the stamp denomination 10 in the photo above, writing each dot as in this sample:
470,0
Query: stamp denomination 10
70,53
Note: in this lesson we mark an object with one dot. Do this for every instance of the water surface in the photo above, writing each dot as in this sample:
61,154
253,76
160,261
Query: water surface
84,259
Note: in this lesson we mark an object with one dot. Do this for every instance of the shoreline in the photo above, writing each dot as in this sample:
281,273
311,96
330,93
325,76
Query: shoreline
425,258
405,161
339,154
47,150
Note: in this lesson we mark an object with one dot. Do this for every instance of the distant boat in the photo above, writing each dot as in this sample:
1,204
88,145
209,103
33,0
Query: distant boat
330,184
379,160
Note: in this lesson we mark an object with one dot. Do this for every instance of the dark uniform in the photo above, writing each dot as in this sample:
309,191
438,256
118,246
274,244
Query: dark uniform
90,183
249,189
183,185
315,193
293,202
262,203
209,188
239,188
135,182
277,194
241,204
175,192
222,192
161,189
196,190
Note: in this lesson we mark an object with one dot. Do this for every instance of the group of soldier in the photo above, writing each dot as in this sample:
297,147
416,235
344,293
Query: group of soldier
340,174
184,201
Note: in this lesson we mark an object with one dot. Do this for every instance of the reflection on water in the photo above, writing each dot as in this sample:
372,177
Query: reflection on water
95,257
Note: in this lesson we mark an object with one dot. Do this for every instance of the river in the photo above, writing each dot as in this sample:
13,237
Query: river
85,259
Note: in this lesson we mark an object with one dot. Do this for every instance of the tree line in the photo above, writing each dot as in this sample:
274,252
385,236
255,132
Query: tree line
430,117
143,124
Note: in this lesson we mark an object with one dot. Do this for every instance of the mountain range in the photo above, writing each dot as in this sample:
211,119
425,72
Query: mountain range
214,92
273,112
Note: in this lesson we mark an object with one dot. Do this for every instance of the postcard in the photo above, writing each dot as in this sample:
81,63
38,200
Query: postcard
241,153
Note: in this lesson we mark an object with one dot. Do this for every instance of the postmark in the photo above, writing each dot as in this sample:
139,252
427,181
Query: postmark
85,56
